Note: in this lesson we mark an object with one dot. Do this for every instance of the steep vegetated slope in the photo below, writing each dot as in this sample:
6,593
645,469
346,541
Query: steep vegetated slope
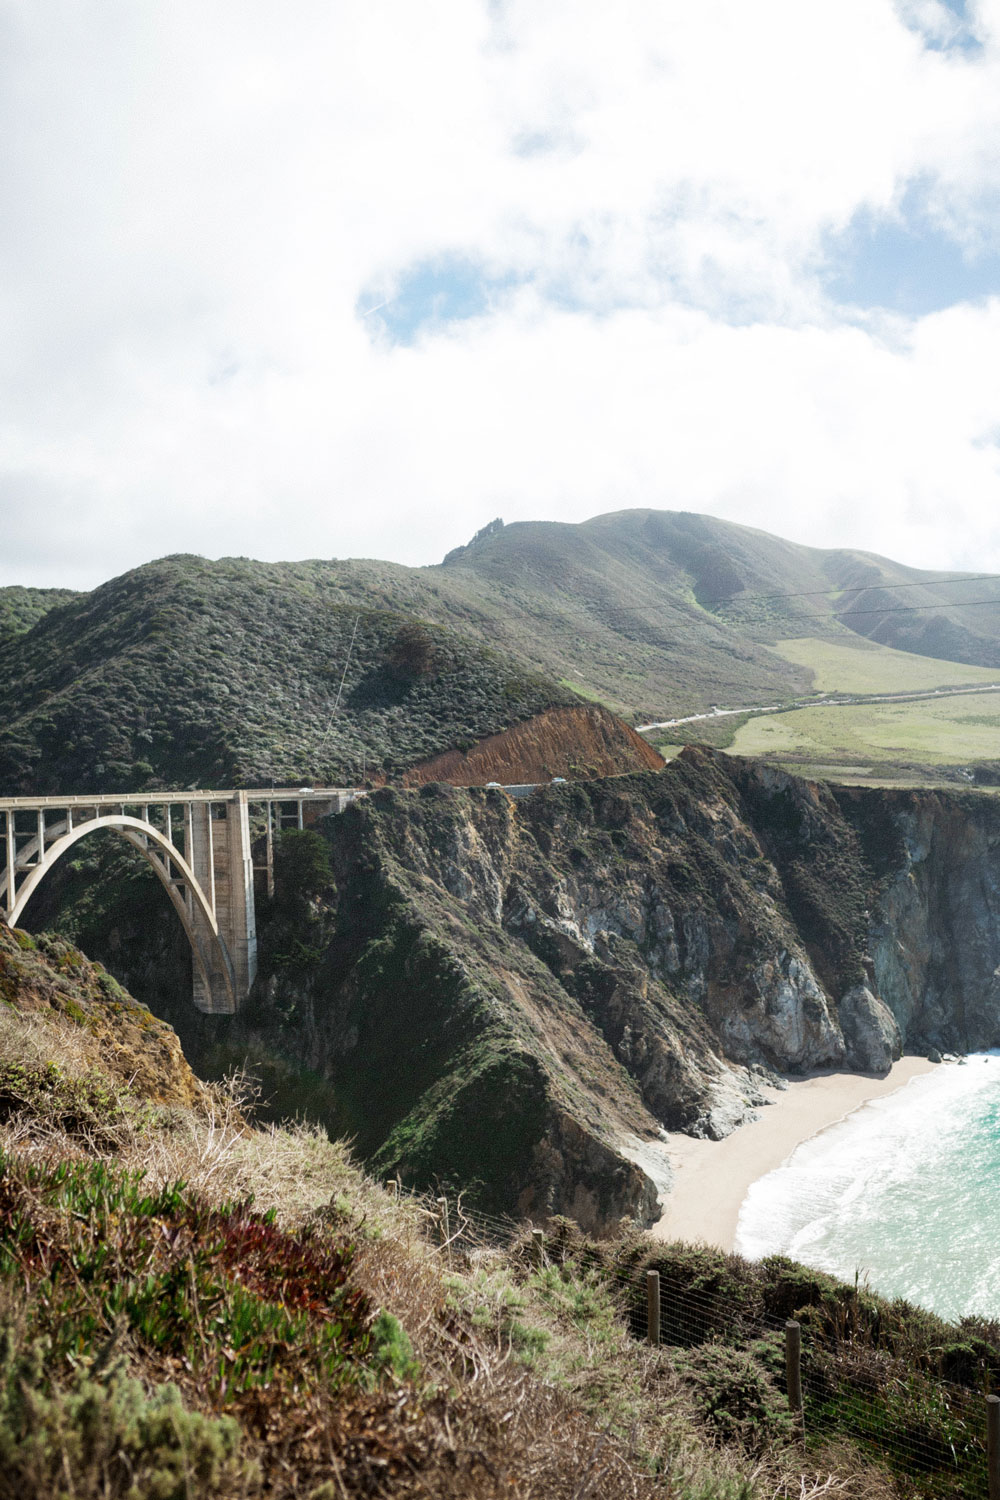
51,982
192,1307
235,673
161,1336
20,608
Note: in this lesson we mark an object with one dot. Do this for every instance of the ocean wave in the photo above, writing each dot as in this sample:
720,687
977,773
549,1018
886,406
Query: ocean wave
904,1193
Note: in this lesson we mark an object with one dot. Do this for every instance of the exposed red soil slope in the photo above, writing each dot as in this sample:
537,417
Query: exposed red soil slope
578,743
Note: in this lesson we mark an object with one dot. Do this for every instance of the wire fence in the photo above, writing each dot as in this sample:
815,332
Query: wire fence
828,1378
930,1432
836,1382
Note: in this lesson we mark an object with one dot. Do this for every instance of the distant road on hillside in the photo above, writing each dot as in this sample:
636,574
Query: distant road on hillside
823,700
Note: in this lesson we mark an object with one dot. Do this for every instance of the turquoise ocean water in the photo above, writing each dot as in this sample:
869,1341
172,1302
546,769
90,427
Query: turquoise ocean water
906,1191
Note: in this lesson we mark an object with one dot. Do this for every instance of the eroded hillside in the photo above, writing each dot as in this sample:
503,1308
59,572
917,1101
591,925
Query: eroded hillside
580,742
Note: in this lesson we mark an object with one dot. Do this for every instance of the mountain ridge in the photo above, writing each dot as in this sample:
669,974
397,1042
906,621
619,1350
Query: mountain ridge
233,672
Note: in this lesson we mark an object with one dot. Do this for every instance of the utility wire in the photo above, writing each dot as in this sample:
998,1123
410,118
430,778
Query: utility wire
343,679
912,609
861,588
498,626
909,609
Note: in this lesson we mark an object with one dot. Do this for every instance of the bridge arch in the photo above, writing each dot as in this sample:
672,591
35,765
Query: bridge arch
195,913
202,853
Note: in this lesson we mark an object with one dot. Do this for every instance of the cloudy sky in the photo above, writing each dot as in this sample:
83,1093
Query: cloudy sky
351,278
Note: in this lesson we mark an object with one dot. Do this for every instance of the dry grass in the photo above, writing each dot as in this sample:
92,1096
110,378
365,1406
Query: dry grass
524,1380
37,1040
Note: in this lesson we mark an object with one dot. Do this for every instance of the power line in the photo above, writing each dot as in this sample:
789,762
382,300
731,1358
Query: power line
909,609
847,614
343,679
861,588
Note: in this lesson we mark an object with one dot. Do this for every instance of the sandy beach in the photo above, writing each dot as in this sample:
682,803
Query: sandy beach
712,1177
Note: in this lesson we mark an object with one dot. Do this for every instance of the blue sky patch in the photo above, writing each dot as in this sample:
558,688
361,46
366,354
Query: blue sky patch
907,266
433,293
963,38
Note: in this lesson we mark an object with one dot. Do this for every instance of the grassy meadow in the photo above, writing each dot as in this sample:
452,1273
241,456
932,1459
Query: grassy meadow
921,741
857,665
928,731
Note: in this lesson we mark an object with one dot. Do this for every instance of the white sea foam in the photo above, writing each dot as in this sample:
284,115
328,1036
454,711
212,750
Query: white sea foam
904,1191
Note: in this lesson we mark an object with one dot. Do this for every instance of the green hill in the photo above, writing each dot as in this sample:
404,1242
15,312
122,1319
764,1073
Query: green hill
234,673
21,608
186,671
663,613
680,608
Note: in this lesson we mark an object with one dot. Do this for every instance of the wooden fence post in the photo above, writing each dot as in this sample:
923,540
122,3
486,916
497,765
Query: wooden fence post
653,1307
993,1445
793,1367
537,1246
442,1207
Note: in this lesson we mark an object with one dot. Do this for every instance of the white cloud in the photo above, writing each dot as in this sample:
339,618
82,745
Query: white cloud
196,196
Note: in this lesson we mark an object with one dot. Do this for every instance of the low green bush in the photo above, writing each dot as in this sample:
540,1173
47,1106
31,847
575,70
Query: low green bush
103,1435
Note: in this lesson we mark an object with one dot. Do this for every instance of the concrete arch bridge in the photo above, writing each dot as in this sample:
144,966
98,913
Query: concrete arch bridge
200,844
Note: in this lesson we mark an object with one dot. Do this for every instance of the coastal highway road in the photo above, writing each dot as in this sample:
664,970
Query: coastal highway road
823,700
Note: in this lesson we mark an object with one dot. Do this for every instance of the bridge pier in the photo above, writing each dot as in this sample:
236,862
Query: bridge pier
198,843
222,861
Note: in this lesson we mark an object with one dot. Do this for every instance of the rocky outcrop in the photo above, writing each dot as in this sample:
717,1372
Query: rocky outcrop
518,993
52,982
576,743
517,998
872,1040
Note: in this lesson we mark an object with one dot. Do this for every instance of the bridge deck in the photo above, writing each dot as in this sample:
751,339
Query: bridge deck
158,799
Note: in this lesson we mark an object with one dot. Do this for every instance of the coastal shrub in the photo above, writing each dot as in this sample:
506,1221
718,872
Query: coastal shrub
243,1303
84,1107
104,1436
704,1294
739,1399
411,653
788,1288
391,1350
302,868
710,1487
921,1428
291,928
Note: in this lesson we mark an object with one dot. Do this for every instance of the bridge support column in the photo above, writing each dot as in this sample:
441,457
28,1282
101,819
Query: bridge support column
220,857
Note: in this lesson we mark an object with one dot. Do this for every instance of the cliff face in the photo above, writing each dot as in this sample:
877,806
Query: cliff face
934,923
520,995
516,997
